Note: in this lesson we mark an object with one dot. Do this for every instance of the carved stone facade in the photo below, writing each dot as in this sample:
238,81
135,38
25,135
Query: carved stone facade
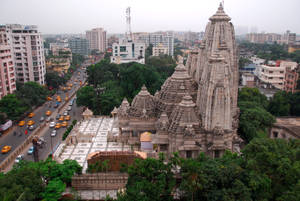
196,108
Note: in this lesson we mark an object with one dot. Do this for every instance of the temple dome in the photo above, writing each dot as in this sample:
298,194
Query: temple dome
174,88
143,104
184,117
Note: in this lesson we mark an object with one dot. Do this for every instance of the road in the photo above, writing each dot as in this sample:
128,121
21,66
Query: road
15,140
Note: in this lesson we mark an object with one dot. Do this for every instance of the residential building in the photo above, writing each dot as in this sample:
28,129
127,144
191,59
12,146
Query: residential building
291,75
248,80
285,128
127,51
294,47
79,46
165,39
271,74
28,53
7,69
97,39
159,50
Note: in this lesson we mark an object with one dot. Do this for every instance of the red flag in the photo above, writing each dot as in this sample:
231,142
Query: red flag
26,132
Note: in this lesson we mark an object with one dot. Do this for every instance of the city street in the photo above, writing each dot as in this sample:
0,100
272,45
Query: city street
17,136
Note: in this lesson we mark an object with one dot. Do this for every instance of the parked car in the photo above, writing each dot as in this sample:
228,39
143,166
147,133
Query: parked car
57,116
52,124
69,108
42,119
53,133
66,113
19,158
30,150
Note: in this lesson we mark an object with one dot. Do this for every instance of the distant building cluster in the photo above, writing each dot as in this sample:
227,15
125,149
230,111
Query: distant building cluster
279,75
21,56
287,38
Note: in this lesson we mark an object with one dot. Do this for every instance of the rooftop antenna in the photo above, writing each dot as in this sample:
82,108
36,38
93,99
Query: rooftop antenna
128,25
223,3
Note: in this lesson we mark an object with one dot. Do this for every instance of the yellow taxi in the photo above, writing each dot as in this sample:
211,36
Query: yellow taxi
31,114
49,98
70,85
6,149
68,117
69,88
30,122
61,118
58,97
80,83
21,123
64,124
57,126
59,100
48,113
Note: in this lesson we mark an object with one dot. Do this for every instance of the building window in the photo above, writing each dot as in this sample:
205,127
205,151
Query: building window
281,71
275,134
217,154
188,154
270,71
283,135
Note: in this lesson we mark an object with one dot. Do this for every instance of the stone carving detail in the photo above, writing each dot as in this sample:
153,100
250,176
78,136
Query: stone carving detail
198,103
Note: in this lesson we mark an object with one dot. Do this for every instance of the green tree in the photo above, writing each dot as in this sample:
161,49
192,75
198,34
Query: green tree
273,168
32,93
53,190
54,80
85,97
205,178
254,121
253,95
279,105
149,180
12,106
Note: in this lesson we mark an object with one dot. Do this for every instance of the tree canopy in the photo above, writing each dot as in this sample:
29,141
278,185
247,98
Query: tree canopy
267,169
45,180
112,82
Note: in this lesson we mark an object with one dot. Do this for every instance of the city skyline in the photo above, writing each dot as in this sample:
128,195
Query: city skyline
77,16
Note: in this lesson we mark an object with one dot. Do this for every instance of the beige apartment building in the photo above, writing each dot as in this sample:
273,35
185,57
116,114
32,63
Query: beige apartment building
159,50
7,71
28,53
272,74
97,39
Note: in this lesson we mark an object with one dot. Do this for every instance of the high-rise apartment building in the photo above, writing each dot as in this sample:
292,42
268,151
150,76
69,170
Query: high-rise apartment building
97,39
28,53
165,39
7,70
79,46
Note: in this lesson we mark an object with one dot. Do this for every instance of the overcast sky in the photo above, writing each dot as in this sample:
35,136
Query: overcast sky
77,16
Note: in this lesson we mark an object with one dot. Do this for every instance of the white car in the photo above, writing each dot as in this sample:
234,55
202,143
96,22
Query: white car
69,108
66,113
53,133
52,124
19,158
